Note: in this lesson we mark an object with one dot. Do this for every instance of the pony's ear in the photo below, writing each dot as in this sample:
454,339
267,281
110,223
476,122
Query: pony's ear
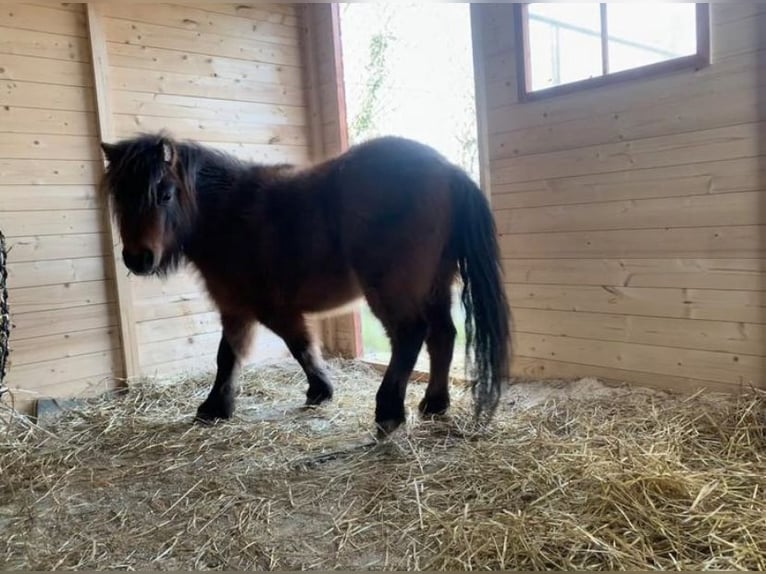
168,151
112,152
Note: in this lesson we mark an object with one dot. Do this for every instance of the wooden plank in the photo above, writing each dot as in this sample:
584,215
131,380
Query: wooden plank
166,307
43,71
214,130
685,113
722,14
54,247
45,377
323,330
42,45
634,105
172,328
204,86
36,95
43,19
185,347
181,350
275,13
54,172
729,176
691,147
534,368
736,274
497,28
183,282
727,209
62,321
506,114
193,366
64,346
121,284
157,59
743,242
480,82
271,153
669,333
687,363
65,295
155,36
48,197
172,106
37,121
191,18
740,36
311,75
27,400
69,6
47,146
38,273
710,304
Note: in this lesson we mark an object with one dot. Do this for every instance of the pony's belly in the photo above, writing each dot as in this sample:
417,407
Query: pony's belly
329,296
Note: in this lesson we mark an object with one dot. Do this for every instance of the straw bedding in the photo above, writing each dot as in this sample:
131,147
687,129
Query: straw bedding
577,476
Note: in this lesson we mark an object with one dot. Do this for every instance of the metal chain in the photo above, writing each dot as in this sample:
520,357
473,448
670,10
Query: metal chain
5,317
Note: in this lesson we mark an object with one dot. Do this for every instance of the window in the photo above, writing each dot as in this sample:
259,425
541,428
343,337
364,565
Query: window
565,47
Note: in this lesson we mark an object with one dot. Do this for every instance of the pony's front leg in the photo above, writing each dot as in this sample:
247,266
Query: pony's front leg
235,342
294,332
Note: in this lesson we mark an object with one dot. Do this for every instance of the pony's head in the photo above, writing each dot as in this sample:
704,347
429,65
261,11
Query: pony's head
152,200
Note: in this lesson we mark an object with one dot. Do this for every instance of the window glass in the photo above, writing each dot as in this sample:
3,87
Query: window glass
564,43
642,34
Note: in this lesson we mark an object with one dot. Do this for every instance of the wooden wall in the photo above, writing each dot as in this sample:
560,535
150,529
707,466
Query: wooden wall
228,75
61,292
631,217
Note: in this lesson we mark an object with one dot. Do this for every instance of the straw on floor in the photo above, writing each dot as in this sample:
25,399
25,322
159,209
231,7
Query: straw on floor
567,477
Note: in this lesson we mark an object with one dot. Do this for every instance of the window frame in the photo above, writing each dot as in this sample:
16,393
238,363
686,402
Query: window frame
523,58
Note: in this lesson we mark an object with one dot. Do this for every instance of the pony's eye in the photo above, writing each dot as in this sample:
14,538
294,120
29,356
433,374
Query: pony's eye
164,194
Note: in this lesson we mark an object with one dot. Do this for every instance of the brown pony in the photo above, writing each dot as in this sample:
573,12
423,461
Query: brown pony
390,220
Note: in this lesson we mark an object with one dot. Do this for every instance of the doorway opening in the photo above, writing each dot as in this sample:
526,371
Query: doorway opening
408,71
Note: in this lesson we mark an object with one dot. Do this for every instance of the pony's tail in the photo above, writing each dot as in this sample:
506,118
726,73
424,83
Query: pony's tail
487,316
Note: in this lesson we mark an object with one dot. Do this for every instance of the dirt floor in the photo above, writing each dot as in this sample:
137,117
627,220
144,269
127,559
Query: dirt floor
571,475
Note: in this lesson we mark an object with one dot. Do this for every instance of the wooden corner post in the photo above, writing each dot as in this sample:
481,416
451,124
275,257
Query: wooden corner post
323,61
129,342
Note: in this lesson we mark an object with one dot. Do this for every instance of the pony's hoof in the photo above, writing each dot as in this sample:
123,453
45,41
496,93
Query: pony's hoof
317,395
433,406
386,428
210,412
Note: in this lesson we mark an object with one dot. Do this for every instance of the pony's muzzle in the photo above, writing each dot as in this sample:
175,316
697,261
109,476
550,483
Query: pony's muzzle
140,262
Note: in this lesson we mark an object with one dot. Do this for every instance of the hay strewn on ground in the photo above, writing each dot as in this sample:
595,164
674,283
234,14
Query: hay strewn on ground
599,478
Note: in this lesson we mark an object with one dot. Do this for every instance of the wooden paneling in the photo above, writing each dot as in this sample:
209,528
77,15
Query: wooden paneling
35,95
61,290
632,216
712,304
733,274
692,242
664,333
743,208
730,176
152,32
227,76
45,71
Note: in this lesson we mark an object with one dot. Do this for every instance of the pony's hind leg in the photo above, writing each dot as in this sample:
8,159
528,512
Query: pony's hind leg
293,330
440,342
234,344
406,342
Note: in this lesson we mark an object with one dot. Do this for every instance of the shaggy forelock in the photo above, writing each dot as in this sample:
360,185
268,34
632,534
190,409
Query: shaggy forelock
131,177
